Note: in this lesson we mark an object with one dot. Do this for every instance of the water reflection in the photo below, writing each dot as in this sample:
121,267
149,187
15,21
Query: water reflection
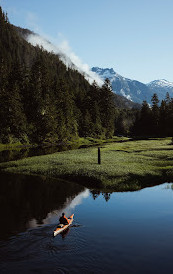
65,233
123,232
97,193
169,186
68,206
24,152
27,201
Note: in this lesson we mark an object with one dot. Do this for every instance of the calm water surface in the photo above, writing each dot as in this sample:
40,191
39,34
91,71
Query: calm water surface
21,152
128,232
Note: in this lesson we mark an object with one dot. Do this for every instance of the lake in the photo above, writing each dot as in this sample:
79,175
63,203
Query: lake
129,232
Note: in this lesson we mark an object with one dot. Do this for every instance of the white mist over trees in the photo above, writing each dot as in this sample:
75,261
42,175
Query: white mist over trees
66,55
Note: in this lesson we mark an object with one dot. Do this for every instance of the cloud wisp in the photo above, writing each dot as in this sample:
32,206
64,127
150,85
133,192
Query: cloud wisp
67,56
68,207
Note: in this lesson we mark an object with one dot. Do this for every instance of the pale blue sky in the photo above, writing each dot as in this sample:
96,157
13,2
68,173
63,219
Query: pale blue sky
135,37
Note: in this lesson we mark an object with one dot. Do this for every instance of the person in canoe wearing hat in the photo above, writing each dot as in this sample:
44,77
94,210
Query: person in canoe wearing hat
63,220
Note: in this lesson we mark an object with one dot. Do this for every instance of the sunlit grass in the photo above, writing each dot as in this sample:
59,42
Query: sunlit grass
125,165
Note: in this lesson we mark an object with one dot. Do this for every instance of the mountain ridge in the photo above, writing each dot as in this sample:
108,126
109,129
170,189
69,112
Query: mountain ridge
120,101
134,90
45,102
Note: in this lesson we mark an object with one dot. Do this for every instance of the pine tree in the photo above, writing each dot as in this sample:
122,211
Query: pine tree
15,120
163,116
4,105
107,109
155,114
143,123
169,120
66,121
167,98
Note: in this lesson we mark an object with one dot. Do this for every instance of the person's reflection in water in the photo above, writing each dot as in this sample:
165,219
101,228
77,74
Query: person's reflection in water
65,233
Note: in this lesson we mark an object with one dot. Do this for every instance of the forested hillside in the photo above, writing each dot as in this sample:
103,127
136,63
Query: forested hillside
156,120
43,101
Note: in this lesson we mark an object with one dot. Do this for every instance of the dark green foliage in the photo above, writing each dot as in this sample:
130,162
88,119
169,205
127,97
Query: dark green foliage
107,109
143,125
12,116
155,114
122,102
98,112
155,120
41,100
124,121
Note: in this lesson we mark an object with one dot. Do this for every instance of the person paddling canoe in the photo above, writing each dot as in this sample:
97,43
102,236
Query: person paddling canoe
64,224
63,220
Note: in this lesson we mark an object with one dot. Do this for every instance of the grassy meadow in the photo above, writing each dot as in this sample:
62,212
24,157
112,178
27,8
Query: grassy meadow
126,165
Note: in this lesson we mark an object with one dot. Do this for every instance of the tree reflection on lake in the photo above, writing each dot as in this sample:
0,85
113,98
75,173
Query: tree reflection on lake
25,151
118,232
26,201
96,193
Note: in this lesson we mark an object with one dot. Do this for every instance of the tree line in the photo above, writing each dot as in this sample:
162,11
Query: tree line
43,101
155,120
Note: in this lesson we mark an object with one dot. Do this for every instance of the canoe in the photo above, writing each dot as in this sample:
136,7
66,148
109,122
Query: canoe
60,228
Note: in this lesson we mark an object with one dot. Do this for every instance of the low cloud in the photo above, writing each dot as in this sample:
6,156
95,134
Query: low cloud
67,56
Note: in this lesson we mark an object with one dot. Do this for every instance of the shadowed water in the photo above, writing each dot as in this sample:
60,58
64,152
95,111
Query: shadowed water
26,151
128,232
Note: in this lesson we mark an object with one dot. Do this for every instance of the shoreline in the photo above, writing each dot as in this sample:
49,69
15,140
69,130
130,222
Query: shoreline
125,166
79,142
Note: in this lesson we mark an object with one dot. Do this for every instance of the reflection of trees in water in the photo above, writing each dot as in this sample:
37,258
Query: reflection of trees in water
169,186
9,155
23,198
97,193
107,196
24,152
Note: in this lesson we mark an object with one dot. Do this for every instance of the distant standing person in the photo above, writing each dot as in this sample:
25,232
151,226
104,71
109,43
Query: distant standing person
63,220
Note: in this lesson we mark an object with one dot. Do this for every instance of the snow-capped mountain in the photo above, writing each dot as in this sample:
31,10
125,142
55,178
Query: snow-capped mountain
161,83
132,89
161,87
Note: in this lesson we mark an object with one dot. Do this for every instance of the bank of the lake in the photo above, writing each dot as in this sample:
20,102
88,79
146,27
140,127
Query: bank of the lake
129,165
16,151
75,142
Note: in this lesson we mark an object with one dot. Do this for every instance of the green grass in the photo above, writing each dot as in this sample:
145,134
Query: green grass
127,165
89,141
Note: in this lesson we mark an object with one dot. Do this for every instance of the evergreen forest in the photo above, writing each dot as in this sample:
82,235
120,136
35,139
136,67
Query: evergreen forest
43,101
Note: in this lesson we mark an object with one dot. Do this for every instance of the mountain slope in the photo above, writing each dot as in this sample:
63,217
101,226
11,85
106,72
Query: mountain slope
68,58
44,101
161,87
119,100
132,89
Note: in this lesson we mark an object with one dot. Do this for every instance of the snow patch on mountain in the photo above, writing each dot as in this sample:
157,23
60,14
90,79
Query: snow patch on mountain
161,83
135,90
125,95
106,73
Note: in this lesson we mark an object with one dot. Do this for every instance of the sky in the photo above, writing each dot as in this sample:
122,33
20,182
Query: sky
134,37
